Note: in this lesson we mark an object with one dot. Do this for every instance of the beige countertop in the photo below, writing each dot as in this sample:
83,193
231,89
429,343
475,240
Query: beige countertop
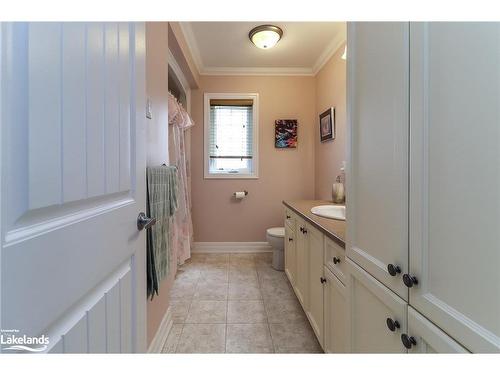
335,229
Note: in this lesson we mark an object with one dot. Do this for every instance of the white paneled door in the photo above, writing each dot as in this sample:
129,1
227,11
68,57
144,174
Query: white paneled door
72,184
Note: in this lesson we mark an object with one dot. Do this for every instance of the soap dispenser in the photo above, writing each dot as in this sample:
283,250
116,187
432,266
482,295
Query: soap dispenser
338,191
338,194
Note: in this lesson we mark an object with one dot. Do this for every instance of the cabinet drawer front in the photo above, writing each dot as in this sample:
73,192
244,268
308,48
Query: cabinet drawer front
335,259
429,338
290,218
370,305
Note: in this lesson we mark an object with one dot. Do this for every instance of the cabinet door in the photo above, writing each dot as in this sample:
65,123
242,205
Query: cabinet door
315,281
455,179
371,304
428,337
335,315
290,255
377,178
302,277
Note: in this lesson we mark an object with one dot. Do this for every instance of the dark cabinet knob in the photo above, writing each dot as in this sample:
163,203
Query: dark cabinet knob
393,270
409,280
392,324
408,341
290,239
304,231
288,216
322,279
336,260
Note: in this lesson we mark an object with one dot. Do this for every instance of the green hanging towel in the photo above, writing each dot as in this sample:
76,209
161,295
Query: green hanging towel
162,189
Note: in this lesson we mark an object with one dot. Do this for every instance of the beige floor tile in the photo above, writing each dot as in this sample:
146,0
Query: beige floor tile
191,273
242,260
244,291
202,338
276,289
294,338
263,258
180,309
216,258
172,339
183,289
211,291
214,275
242,267
207,312
246,312
248,338
243,275
269,273
284,311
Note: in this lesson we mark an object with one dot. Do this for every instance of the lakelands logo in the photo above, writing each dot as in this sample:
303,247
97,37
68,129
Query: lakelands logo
12,341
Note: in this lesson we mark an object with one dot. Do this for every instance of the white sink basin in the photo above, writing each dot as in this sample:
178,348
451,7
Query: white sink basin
330,211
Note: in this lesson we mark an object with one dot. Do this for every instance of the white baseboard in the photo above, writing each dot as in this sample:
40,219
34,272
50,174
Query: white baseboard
161,335
231,247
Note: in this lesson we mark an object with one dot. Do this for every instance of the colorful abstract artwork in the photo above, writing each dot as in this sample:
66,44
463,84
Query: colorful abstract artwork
285,133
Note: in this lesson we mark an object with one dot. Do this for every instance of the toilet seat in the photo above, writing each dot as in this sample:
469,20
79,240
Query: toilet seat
276,232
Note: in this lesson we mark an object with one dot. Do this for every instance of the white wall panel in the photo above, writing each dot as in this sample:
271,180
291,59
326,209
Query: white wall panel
96,320
126,313
75,341
113,324
74,163
44,114
95,110
112,109
124,81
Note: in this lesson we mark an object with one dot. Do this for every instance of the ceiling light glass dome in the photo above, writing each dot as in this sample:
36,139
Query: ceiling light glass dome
265,36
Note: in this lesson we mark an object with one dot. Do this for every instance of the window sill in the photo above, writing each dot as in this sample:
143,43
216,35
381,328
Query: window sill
230,176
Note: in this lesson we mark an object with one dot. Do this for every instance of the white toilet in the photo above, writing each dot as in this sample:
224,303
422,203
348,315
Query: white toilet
275,237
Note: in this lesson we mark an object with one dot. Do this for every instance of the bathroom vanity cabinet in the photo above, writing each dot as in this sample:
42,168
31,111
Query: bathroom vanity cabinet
422,232
315,266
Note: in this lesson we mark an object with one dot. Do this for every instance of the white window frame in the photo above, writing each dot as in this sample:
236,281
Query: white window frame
206,125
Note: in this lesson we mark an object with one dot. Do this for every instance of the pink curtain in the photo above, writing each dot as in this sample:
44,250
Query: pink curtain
182,227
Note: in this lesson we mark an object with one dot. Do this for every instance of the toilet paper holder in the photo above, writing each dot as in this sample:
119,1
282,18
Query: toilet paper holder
245,191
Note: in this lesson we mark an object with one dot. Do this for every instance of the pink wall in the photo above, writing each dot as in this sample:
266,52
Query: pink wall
328,156
283,174
157,142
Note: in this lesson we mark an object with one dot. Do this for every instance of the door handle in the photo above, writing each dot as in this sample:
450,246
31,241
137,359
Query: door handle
144,222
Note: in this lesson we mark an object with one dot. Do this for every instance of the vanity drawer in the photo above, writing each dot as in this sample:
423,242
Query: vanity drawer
335,259
290,219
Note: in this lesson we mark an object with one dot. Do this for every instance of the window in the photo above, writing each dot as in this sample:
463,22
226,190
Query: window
231,134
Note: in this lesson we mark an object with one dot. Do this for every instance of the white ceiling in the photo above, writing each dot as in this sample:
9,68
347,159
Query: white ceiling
224,47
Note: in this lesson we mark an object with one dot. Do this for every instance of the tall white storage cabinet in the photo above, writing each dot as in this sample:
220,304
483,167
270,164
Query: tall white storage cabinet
378,74
455,179
424,184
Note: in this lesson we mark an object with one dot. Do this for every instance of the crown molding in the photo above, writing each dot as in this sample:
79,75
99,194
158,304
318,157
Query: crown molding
328,53
192,44
257,71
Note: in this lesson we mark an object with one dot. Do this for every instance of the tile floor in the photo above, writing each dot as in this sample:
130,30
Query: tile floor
236,303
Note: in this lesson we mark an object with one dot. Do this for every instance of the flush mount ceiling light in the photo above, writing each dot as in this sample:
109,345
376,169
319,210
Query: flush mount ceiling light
265,36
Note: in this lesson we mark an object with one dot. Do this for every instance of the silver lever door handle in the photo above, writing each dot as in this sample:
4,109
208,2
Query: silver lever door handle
144,222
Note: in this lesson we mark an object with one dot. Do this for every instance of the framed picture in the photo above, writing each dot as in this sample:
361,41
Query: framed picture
285,133
327,125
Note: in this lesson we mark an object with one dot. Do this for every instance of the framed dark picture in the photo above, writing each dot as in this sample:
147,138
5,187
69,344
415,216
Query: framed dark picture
285,133
327,125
